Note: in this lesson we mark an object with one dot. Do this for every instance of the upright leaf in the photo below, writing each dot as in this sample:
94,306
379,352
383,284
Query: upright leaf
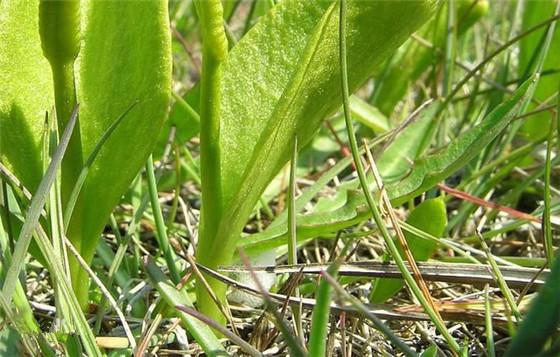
281,80
26,92
535,12
122,60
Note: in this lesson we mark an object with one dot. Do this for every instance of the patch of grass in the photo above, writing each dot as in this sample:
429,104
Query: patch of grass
439,236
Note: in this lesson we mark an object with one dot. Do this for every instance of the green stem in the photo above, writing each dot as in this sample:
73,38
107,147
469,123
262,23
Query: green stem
370,200
163,239
210,250
65,100
59,28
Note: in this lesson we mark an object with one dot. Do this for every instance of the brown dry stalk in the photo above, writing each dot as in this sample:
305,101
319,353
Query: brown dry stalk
488,204
388,208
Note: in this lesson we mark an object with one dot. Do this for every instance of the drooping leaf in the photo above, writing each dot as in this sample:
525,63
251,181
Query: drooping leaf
431,217
349,206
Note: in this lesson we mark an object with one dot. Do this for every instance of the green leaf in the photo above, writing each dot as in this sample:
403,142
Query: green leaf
285,75
173,297
431,217
368,115
10,341
430,169
348,206
430,351
26,93
121,61
281,80
542,320
534,13
414,58
396,160
318,334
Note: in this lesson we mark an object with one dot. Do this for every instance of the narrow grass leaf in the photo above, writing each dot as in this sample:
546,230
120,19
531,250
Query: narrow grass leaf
37,203
412,284
431,217
87,165
321,315
173,297
542,320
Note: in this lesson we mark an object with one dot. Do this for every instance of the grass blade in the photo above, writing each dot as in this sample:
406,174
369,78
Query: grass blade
37,203
73,198
163,239
173,297
321,315
542,320
371,202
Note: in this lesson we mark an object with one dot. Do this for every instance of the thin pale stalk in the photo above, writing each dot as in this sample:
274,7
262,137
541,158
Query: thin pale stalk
163,239
546,220
292,233
371,202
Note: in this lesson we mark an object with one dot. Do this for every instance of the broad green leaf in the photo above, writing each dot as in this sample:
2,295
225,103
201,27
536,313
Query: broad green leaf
285,73
414,58
26,92
431,217
535,12
121,61
281,80
349,206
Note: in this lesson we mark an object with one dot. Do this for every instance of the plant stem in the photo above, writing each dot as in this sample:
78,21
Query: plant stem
59,23
214,52
163,239
371,202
